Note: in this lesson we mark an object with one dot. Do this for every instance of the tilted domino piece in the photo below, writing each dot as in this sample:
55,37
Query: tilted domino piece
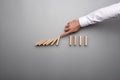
40,44
54,41
58,40
49,42
37,44
46,42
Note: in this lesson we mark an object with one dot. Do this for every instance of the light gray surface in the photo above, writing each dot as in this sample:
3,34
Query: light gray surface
24,22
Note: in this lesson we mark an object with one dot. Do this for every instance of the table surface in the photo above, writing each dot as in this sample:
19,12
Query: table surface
24,22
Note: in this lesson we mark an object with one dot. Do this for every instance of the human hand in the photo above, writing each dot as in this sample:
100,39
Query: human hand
71,27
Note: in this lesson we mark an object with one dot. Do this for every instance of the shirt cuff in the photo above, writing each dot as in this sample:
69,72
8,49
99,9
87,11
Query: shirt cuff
83,21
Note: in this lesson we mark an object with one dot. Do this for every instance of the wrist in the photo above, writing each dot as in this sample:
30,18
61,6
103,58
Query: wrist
83,21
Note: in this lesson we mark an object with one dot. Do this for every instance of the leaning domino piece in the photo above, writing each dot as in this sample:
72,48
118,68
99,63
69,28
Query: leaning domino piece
58,40
49,42
85,40
37,44
40,44
46,42
75,40
70,40
80,40
54,41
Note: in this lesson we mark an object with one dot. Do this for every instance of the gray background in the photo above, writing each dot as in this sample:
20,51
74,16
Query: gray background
24,22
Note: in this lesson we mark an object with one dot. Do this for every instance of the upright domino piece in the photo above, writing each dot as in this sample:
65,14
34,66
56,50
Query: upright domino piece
85,40
80,40
75,40
70,40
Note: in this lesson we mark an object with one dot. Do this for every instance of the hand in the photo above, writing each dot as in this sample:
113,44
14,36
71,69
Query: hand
71,27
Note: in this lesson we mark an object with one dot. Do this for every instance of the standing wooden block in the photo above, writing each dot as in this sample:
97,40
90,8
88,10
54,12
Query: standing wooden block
75,40
85,40
70,40
80,40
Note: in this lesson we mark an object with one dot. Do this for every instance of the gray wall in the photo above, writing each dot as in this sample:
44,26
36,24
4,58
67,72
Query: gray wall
24,22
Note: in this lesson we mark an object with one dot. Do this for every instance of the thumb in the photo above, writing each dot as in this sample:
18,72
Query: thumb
65,34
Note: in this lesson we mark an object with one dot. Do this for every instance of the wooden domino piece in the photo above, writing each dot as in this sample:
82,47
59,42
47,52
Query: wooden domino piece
58,40
75,40
80,40
40,44
70,40
54,41
50,42
85,40
46,42
37,44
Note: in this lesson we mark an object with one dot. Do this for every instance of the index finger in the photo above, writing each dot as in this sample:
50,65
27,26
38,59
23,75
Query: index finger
65,34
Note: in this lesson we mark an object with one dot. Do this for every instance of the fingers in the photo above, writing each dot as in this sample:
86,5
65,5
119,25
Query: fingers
66,33
68,24
66,29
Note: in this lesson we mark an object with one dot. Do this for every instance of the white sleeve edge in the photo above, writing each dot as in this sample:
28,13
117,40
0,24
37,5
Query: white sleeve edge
83,21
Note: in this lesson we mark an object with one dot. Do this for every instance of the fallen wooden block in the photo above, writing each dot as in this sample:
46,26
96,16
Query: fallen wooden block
54,41
37,44
46,42
49,42
42,42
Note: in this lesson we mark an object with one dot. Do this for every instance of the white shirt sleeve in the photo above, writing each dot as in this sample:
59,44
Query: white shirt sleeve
100,15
